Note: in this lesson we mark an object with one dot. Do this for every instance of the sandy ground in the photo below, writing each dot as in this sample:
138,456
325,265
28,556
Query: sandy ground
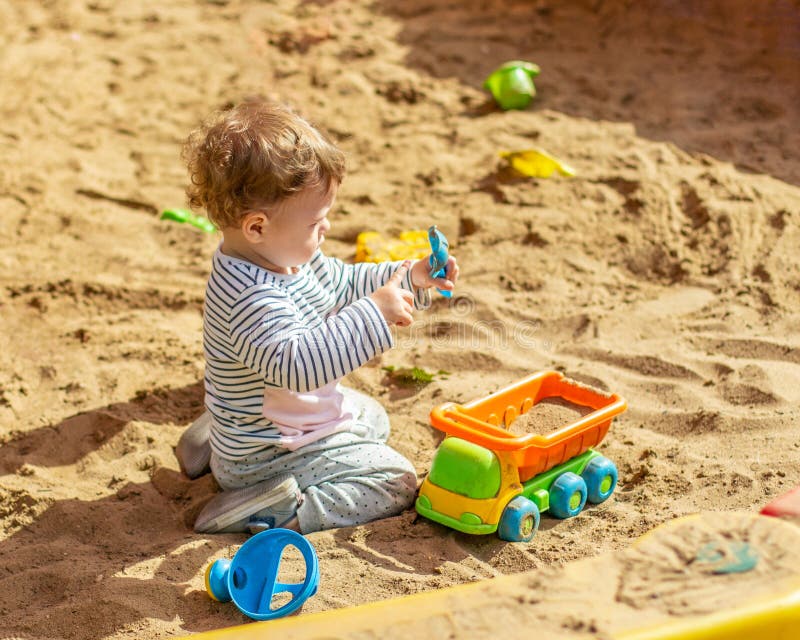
665,271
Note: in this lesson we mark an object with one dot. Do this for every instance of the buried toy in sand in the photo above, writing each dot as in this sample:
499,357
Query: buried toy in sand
485,478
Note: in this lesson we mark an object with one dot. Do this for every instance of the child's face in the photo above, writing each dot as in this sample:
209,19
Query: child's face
297,227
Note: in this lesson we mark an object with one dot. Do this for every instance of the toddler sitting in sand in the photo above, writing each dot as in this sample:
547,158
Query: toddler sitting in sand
289,445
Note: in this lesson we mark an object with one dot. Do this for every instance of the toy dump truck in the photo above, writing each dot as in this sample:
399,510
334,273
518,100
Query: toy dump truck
484,478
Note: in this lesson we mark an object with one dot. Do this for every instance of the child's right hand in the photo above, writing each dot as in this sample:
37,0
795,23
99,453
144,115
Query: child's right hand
395,303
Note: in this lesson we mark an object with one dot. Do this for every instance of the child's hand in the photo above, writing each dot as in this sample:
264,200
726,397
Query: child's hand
421,275
394,302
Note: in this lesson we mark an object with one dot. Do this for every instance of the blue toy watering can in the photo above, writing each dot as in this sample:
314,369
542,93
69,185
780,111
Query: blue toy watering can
250,579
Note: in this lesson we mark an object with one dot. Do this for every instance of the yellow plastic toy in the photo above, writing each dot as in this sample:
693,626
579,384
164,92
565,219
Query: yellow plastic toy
536,163
371,246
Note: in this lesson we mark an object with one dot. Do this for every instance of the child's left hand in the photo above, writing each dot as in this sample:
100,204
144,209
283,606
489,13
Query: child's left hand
421,275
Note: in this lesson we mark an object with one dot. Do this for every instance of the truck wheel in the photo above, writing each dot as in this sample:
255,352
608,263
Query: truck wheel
567,495
519,521
600,476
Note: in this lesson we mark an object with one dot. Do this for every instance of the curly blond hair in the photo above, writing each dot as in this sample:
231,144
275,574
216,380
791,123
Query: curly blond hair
253,156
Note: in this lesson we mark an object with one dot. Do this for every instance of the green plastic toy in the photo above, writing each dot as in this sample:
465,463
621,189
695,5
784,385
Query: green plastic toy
511,84
186,216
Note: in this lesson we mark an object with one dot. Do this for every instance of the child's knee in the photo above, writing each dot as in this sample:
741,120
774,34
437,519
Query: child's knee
410,486
396,484
404,486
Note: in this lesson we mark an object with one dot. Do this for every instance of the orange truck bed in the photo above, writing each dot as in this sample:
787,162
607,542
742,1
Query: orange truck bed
485,421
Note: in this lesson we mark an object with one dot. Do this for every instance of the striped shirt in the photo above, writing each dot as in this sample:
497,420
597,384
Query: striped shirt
276,346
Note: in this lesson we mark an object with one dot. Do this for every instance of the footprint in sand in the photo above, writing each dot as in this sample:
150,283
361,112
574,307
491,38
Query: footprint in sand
649,366
749,385
752,349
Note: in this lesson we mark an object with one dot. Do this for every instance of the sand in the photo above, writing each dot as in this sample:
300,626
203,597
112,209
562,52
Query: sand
666,271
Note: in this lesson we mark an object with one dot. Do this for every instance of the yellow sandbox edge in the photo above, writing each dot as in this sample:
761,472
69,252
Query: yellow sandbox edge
776,617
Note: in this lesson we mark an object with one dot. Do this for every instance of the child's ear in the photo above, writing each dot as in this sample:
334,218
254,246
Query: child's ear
254,224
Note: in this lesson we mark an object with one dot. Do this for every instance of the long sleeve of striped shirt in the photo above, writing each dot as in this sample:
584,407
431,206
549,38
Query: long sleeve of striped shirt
273,339
349,282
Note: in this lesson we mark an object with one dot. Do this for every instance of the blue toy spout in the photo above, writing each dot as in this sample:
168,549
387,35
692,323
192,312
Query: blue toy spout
439,256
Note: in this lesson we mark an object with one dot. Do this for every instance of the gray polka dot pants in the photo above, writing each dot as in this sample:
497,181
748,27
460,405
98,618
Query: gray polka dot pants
347,479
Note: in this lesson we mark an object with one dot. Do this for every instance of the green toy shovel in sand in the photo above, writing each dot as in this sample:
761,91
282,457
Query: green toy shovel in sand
185,216
511,84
